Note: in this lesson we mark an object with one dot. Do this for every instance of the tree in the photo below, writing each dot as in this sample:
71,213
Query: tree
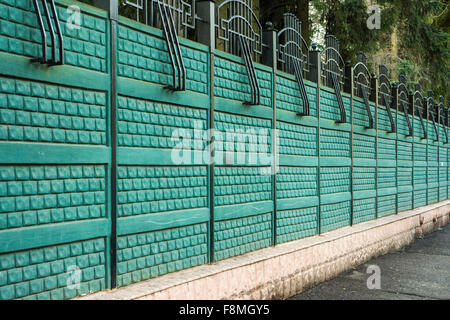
413,32
424,39
273,11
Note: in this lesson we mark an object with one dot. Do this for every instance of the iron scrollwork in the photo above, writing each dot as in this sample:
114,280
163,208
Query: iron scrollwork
174,17
443,115
403,101
332,71
52,19
385,97
362,84
432,112
419,107
290,55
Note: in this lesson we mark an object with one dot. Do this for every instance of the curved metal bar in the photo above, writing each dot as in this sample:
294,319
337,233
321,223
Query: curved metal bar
383,79
384,86
363,75
334,50
248,7
367,105
418,102
287,59
384,91
58,30
294,44
388,110
337,91
43,34
431,112
443,117
361,64
239,22
402,88
303,40
290,54
403,95
402,104
403,100
168,38
179,55
181,9
253,79
52,31
331,60
244,20
332,72
361,78
301,85
291,44
247,63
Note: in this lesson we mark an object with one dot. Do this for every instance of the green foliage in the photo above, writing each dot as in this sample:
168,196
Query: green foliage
423,51
409,69
425,42
347,20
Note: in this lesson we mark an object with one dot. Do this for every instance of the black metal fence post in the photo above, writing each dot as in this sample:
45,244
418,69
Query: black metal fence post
112,7
314,64
349,88
348,79
269,58
206,35
269,51
394,105
314,76
373,88
205,27
413,120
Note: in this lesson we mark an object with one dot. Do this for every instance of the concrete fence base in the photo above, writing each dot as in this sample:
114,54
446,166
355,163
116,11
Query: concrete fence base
285,270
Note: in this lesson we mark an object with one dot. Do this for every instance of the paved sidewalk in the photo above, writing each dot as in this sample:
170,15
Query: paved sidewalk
420,271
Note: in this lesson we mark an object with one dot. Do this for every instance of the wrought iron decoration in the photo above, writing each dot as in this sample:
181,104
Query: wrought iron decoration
52,19
240,30
362,89
384,92
332,71
403,101
290,54
174,17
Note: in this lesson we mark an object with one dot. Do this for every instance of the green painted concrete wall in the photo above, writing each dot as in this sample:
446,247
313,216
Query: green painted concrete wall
56,159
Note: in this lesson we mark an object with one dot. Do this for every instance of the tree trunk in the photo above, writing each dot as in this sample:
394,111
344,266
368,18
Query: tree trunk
303,15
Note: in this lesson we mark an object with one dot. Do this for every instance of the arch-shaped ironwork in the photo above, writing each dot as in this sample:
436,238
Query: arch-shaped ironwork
432,112
292,47
235,19
239,28
443,117
52,19
174,17
419,107
361,75
362,89
332,67
403,101
147,11
384,94
291,56
332,61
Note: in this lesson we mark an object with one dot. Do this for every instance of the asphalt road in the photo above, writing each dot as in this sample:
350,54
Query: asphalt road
420,271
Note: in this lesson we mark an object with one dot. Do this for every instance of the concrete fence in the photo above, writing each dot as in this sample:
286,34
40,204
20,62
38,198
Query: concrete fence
90,195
